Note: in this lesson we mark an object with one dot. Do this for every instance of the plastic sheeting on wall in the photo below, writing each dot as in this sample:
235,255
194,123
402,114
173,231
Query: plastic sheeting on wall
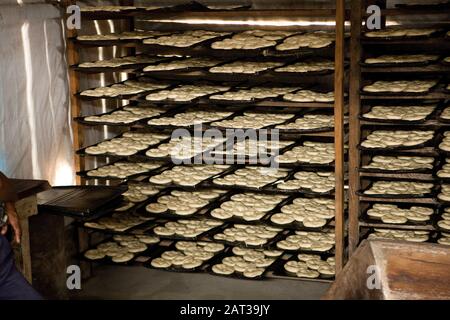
35,138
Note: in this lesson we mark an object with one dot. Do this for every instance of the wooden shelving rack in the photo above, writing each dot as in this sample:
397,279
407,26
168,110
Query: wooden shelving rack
361,48
338,81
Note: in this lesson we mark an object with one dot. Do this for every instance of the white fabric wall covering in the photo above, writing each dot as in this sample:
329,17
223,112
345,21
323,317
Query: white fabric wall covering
35,139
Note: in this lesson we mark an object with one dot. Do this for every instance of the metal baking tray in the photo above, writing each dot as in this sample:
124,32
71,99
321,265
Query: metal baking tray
297,251
239,220
274,189
394,154
82,152
278,270
432,194
170,214
84,174
161,249
438,218
401,94
81,201
142,97
367,107
297,225
108,260
268,245
122,68
371,128
134,96
236,275
204,236
435,34
376,222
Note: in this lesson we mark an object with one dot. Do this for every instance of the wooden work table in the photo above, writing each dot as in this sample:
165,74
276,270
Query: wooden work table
405,270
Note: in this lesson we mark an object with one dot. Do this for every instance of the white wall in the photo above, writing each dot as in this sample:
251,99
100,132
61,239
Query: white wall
35,140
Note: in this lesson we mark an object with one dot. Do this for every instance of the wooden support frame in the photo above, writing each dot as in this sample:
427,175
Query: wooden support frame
75,104
340,15
339,87
354,124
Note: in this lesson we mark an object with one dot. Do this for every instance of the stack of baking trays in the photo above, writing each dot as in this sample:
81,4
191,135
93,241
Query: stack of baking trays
249,207
404,125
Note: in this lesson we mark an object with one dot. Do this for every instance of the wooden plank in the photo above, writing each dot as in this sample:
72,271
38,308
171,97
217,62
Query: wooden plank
405,271
339,79
354,125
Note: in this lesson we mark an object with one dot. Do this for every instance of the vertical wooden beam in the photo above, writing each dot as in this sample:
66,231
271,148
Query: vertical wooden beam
77,130
75,104
354,125
339,76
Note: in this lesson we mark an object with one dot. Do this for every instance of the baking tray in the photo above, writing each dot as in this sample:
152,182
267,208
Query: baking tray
329,252
307,131
264,110
200,237
437,6
243,187
243,159
108,260
397,64
369,230
239,220
439,138
371,128
300,143
152,47
249,60
144,225
394,154
327,51
366,108
438,166
141,10
81,201
82,120
442,120
161,249
237,275
170,214
133,96
252,100
439,188
84,174
438,218
278,270
414,225
82,152
173,102
300,74
130,66
187,108
119,124
437,33
402,94
274,189
268,245
432,194
297,225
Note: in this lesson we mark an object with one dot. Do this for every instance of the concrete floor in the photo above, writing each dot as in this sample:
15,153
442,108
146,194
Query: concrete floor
139,283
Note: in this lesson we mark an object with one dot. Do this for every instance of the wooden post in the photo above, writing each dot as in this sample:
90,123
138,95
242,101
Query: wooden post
75,104
339,102
78,136
354,131
25,209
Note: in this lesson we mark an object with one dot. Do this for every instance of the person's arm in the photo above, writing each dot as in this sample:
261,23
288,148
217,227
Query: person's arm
8,195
